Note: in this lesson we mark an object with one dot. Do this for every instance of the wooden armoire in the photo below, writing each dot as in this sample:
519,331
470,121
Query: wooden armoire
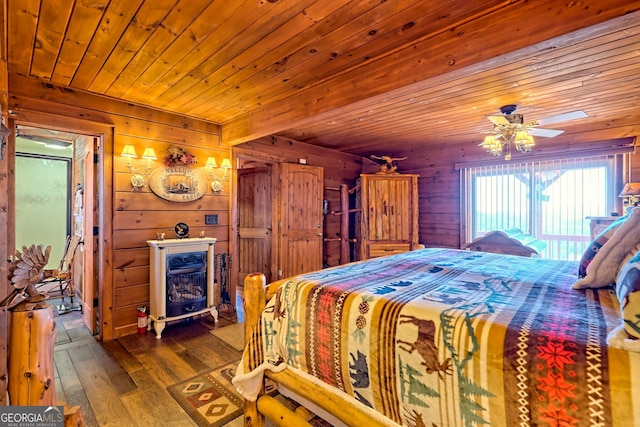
389,214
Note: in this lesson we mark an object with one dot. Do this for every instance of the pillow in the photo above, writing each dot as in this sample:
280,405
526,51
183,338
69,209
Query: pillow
602,270
597,243
628,292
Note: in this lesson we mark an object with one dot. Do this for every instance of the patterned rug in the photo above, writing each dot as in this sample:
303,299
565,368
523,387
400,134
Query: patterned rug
209,398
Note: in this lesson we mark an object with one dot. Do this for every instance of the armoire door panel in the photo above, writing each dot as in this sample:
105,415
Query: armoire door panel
399,210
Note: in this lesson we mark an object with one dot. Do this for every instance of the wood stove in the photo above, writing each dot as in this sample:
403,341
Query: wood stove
182,280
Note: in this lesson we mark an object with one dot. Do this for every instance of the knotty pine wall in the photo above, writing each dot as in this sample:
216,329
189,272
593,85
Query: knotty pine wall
439,184
7,162
136,217
132,217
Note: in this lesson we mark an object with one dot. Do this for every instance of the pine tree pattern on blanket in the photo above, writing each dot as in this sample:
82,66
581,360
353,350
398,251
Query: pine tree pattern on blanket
452,337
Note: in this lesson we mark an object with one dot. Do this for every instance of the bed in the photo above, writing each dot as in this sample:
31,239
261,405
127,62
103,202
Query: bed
444,337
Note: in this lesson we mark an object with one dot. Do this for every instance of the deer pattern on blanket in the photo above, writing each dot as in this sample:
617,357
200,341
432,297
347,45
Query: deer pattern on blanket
423,343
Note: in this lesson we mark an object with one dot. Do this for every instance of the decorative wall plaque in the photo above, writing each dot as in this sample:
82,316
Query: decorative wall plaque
178,183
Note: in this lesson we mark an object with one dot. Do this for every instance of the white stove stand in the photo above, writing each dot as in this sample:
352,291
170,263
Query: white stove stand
160,249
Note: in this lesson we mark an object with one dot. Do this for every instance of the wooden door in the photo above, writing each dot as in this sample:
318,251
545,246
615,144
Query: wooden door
300,212
255,222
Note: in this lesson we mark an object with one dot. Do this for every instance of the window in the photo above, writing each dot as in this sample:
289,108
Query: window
551,200
43,203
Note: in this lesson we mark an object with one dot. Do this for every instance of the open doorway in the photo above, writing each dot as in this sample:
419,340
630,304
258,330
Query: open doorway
56,193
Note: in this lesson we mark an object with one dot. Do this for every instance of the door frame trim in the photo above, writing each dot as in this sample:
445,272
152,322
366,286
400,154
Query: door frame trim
104,182
239,154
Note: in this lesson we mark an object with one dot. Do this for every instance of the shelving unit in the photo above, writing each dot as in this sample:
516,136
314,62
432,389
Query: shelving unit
344,213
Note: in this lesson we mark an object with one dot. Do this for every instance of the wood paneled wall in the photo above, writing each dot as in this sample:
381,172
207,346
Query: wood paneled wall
132,217
634,168
439,207
439,186
6,164
339,168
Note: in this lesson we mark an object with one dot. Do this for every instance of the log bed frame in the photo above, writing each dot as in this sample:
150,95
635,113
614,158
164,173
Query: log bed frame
256,295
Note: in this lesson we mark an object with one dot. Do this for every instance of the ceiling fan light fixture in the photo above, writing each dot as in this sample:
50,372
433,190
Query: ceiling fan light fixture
523,141
492,145
521,137
526,144
511,128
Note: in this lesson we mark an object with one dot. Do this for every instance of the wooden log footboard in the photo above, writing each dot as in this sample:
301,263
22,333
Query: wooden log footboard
256,294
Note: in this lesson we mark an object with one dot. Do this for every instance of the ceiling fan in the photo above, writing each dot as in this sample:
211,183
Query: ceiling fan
510,127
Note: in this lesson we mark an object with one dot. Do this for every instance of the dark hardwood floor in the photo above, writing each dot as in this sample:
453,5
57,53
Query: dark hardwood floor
123,382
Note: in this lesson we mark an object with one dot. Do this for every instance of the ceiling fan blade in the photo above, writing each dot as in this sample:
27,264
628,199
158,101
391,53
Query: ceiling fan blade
572,115
498,120
546,133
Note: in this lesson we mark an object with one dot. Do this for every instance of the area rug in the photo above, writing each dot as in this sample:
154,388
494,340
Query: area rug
209,398
232,335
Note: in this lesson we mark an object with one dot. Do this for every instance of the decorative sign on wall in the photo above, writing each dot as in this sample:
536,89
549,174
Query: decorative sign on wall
178,183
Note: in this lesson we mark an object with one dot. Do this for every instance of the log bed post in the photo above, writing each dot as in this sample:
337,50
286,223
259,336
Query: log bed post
31,367
253,302
256,295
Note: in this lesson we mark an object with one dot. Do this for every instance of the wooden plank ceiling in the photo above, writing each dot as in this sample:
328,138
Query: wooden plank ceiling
358,76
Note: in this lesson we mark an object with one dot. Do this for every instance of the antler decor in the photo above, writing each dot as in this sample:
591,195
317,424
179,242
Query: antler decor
390,164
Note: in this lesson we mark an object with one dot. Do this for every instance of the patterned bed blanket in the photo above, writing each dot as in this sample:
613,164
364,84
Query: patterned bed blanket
444,337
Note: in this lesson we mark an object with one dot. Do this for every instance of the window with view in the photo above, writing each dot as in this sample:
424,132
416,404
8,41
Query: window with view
550,200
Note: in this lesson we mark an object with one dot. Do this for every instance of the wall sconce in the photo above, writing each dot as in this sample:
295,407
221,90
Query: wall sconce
138,180
217,182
